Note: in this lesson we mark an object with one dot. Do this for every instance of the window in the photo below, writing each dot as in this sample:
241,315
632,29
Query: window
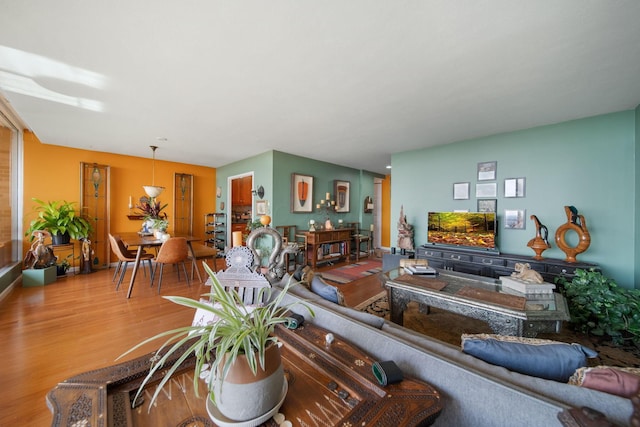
10,240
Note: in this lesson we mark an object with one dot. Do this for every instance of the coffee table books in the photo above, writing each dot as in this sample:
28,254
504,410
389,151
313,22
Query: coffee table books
526,287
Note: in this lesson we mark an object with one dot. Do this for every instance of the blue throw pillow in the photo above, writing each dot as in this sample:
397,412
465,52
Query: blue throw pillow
326,291
546,359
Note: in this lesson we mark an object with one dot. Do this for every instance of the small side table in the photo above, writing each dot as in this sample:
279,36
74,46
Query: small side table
67,247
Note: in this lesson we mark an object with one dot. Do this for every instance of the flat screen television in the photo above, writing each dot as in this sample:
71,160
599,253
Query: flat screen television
464,230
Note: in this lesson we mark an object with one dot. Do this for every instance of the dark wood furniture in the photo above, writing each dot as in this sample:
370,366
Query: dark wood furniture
327,245
495,265
328,385
141,242
479,298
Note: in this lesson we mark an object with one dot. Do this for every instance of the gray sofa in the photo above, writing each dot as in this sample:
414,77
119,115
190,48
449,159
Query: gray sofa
474,392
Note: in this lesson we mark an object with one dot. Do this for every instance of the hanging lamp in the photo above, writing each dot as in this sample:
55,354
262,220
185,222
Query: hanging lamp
153,190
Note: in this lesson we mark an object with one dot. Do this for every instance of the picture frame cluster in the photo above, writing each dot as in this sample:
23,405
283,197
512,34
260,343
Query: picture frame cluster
486,193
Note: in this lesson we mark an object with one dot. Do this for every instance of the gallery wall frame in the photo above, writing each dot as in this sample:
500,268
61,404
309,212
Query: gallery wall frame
301,193
487,190
262,207
487,171
487,205
341,191
514,187
461,190
514,219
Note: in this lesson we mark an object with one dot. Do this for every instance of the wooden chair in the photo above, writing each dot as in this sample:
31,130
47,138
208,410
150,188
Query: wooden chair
125,256
202,252
174,251
240,277
358,238
288,233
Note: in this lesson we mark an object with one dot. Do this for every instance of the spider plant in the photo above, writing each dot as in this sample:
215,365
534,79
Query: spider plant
237,331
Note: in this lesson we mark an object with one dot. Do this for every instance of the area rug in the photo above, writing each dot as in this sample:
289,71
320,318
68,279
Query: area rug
351,272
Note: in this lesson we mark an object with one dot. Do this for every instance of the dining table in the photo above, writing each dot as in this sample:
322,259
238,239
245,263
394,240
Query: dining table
142,241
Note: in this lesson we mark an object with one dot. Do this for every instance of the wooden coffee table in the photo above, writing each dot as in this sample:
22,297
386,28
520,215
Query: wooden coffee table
479,298
328,385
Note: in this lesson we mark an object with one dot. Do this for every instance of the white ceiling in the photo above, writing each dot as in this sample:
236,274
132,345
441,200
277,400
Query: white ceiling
345,81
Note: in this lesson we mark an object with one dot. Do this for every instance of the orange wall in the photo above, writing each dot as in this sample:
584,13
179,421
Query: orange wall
52,172
385,237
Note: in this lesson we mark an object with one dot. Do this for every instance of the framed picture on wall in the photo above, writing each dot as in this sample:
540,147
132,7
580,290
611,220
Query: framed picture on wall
460,190
261,207
301,193
487,205
341,193
514,219
487,190
487,171
514,187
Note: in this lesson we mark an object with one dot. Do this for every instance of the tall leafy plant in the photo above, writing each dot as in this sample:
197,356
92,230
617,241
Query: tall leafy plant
600,307
59,217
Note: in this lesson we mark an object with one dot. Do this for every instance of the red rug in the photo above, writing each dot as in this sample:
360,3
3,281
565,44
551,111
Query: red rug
351,272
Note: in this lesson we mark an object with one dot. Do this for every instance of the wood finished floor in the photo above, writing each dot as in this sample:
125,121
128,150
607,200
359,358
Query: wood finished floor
80,323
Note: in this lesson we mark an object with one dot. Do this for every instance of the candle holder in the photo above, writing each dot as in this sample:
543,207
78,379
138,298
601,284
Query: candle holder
328,206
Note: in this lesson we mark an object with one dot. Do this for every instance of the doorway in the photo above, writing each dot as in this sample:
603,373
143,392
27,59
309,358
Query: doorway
240,203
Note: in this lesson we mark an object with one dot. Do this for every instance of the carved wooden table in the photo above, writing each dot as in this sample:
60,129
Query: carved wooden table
479,298
328,385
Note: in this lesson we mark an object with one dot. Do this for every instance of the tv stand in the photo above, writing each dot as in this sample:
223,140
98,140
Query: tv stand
492,264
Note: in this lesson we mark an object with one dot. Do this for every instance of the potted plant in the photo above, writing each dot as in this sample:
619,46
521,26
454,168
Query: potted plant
241,339
61,220
600,307
63,266
152,209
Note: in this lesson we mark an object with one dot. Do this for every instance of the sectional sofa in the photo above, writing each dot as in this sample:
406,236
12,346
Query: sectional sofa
475,393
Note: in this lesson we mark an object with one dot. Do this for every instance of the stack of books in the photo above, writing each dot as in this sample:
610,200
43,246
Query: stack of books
526,287
423,270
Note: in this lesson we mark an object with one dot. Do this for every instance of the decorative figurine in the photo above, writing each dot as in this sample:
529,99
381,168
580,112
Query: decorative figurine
405,232
539,243
578,224
524,272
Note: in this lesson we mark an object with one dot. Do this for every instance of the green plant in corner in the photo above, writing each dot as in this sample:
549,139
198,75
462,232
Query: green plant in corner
600,307
237,331
59,218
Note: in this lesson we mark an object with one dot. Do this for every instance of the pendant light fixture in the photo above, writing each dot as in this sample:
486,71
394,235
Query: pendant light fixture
153,190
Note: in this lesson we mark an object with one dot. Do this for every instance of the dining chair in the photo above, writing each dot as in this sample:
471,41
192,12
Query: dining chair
202,252
175,250
125,256
288,233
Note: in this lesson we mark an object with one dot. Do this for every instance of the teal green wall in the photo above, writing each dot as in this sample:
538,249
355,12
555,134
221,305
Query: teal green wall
589,163
636,233
273,171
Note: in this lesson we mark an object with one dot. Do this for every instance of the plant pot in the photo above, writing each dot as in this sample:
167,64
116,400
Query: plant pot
243,396
61,270
60,239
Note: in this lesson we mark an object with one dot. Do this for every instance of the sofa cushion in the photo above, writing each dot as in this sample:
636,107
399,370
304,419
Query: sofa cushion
326,291
623,382
546,359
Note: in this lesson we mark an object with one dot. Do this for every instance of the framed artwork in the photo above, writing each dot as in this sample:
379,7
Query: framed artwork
261,207
341,192
301,193
487,190
514,219
487,171
487,205
460,190
514,187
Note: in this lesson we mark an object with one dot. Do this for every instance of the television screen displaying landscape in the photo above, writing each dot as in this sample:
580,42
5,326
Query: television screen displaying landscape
472,229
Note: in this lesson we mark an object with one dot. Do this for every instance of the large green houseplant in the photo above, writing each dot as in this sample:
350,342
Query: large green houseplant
60,219
238,339
600,307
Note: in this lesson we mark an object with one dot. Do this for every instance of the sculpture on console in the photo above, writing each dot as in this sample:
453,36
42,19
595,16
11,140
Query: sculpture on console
278,257
539,243
405,232
578,224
